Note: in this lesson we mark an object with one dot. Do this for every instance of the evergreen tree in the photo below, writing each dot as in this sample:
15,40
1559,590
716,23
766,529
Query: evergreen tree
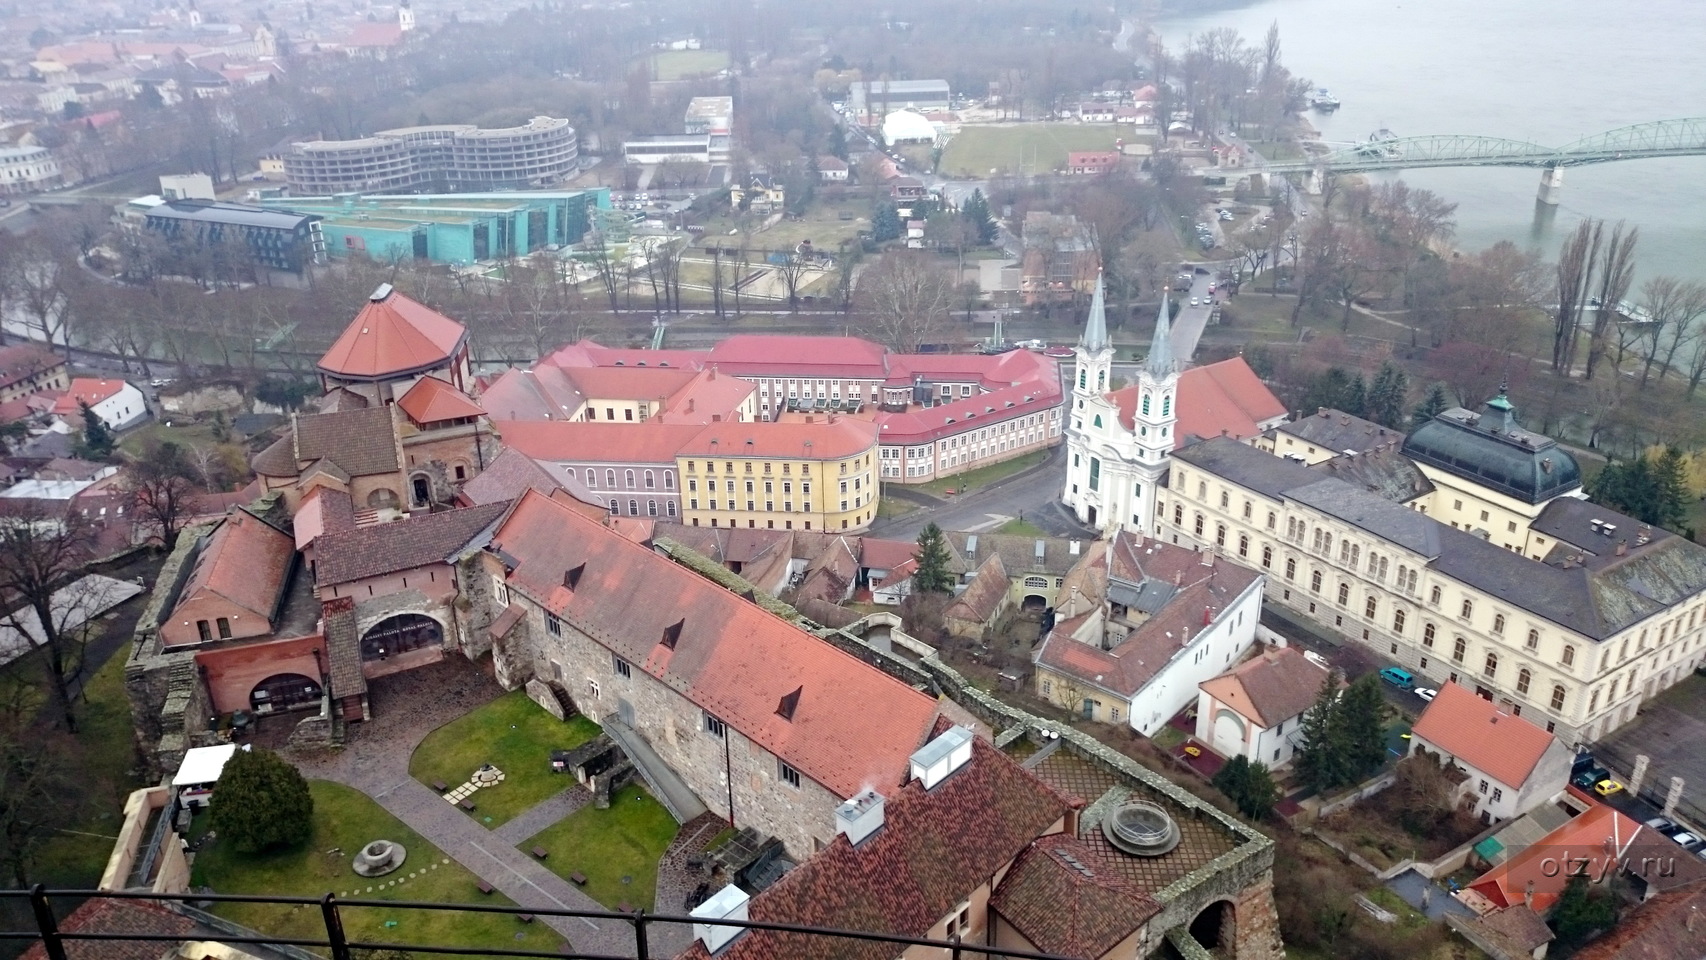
837,141
976,212
1356,397
1671,474
1320,760
262,802
1386,396
1579,913
1336,389
885,223
1435,403
1360,728
1249,786
98,441
932,575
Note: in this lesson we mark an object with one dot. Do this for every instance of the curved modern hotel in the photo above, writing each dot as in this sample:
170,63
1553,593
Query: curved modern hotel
450,156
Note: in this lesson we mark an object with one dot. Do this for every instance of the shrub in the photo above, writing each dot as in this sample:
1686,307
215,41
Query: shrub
262,802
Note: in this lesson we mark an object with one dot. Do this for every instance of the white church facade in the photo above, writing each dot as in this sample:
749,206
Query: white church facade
1119,443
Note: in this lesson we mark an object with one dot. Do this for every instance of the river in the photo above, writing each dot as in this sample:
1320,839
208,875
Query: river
1544,71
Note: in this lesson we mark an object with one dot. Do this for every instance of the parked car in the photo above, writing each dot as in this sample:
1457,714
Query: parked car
1587,778
1427,693
1664,825
1689,841
1399,677
1606,788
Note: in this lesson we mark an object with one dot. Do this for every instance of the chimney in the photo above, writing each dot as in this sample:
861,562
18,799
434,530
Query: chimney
1622,547
1207,555
1321,411
1207,616
861,816
1528,895
1693,917
942,756
690,404
810,418
728,903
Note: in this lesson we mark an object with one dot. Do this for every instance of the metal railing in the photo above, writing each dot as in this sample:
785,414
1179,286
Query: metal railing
339,946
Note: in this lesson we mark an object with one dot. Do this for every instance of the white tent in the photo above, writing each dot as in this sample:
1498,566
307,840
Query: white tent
203,764
908,126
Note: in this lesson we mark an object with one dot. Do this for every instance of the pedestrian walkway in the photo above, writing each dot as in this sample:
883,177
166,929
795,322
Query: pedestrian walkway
671,791
543,814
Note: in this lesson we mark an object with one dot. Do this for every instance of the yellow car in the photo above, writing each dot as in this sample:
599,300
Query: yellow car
1606,788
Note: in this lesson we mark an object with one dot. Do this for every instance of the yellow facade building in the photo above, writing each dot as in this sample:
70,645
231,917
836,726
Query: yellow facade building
810,473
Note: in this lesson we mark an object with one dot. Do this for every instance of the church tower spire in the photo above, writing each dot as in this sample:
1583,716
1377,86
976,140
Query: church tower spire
1095,355
1096,327
1162,363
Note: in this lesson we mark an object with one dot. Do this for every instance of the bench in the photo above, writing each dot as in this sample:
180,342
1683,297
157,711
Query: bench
524,917
441,786
624,908
579,878
467,805
541,852
484,887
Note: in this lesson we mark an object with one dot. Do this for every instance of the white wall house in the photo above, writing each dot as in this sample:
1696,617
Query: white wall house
1512,765
119,404
1255,709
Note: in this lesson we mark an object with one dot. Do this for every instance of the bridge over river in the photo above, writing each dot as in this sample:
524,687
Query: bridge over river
1660,138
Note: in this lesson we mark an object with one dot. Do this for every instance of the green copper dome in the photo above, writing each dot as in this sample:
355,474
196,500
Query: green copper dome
1489,449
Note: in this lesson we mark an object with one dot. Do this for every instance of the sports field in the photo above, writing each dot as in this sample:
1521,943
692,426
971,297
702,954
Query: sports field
682,64
1026,148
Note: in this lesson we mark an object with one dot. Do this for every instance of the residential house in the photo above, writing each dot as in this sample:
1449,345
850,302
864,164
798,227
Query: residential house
1512,765
1661,929
1060,259
27,369
1255,710
762,193
1325,435
1602,844
119,405
980,605
1091,163
1139,624
1096,112
831,169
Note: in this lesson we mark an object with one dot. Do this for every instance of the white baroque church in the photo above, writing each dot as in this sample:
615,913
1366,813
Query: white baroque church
1119,443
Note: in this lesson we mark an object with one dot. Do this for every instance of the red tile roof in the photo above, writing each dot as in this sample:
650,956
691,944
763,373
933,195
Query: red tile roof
733,658
822,438
1220,396
628,383
118,917
506,477
1270,689
89,390
392,337
590,353
879,554
1476,731
1062,899
543,393
707,396
402,544
246,562
801,356
1597,838
1667,927
21,361
933,850
431,400
576,442
925,424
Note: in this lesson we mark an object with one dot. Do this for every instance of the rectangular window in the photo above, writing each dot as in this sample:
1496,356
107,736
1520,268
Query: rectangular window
715,727
553,625
621,666
789,775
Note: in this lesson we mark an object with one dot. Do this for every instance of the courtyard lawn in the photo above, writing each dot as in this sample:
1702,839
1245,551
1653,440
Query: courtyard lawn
511,733
682,64
346,819
605,846
1027,148
1021,528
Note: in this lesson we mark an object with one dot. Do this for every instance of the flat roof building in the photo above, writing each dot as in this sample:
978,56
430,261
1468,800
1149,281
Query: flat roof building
460,228
882,96
279,239
540,152
685,147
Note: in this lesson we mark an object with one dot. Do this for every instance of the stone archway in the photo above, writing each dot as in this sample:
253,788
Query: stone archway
401,634
284,691
1216,928
1228,733
383,498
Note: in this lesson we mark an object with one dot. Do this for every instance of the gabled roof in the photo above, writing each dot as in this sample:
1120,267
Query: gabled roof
572,441
732,658
245,561
1270,689
362,443
402,544
98,915
543,393
431,400
322,511
1499,744
934,849
982,597
506,477
89,390
1225,396
822,438
1597,840
1338,432
800,356
1667,927
20,361
1066,902
879,554
393,336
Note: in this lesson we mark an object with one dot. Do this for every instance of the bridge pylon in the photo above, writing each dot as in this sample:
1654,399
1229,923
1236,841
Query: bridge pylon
1551,184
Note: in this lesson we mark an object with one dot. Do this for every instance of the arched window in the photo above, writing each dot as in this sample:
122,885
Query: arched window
615,506
1036,583
1491,667
669,479
1083,377
1101,379
651,508
1522,678
628,476
670,508
282,691
1146,404
1166,404
591,477
1098,421
1243,545
1095,473
610,479
1557,697
651,483
400,634
633,508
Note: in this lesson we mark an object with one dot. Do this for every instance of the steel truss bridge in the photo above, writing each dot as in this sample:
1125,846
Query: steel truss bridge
1660,138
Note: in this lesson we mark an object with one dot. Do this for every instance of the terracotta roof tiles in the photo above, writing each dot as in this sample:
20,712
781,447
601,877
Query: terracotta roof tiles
1271,688
402,544
1062,899
431,400
1503,746
393,336
361,442
245,561
1219,396
118,917
89,390
828,438
732,658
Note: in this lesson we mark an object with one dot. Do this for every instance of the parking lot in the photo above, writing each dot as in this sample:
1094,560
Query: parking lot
1670,729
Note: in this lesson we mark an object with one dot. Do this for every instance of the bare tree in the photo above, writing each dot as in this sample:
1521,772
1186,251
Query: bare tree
1617,272
907,298
603,263
1578,260
35,779
41,555
792,270
1677,308
38,288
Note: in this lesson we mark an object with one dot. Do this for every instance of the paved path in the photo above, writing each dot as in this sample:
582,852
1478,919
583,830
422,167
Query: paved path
375,760
543,814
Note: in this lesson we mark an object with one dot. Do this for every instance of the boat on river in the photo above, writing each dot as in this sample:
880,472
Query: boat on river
1323,101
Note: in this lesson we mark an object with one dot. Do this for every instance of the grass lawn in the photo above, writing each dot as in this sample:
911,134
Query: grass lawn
681,64
104,765
890,507
607,845
983,476
1023,528
185,433
345,818
1026,148
512,733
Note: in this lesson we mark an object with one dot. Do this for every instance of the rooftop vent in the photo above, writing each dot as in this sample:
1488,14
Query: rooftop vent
1141,829
971,545
672,633
1073,548
942,756
789,703
728,903
572,576
860,817
380,293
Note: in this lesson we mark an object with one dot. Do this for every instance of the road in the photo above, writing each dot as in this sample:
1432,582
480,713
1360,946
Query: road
1033,496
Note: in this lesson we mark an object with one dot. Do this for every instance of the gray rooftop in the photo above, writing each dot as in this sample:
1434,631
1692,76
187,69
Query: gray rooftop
228,214
1339,432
